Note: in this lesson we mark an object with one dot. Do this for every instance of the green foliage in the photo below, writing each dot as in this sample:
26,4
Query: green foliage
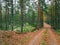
58,31
28,28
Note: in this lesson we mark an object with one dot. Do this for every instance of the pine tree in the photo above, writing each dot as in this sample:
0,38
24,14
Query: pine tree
0,16
12,14
40,15
7,15
22,15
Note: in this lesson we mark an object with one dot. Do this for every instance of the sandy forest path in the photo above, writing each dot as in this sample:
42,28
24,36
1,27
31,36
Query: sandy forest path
46,36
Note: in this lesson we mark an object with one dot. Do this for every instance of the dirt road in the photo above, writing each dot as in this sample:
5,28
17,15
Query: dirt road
45,37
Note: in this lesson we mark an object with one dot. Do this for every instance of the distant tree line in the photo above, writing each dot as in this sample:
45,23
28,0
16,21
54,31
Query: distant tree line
54,16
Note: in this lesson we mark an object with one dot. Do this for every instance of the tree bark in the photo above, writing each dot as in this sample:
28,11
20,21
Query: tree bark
7,16
40,15
12,14
22,15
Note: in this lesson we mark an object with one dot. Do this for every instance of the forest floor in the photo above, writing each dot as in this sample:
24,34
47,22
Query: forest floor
45,36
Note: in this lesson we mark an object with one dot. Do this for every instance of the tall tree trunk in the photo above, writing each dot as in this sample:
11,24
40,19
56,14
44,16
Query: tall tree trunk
7,16
40,15
0,16
21,20
52,14
12,14
22,6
